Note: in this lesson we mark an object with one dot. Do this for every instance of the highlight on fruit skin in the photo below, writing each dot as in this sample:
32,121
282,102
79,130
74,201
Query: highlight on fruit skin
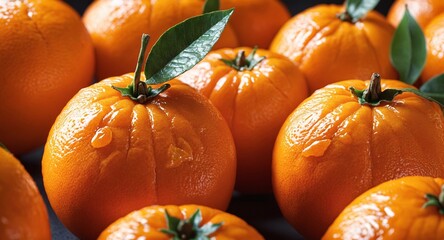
180,222
23,213
407,208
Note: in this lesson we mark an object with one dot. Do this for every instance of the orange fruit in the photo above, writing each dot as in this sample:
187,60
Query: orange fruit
434,34
47,56
331,149
107,155
255,97
256,22
328,49
22,210
151,223
422,10
406,208
115,27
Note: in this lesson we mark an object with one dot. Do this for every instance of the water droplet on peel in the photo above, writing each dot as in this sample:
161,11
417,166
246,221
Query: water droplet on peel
102,137
317,148
179,153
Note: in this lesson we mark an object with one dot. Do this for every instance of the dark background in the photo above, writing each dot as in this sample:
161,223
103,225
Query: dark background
260,211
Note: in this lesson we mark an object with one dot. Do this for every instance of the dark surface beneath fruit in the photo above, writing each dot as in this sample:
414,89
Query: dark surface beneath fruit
260,211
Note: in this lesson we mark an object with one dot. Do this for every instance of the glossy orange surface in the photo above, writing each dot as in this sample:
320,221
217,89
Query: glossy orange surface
147,222
434,34
22,210
46,57
422,10
331,149
328,49
107,155
254,102
116,26
392,210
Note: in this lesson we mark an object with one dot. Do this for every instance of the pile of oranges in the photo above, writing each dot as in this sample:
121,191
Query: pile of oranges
309,108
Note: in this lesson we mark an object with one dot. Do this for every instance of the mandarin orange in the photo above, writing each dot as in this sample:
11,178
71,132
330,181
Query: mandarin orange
255,91
46,57
330,49
23,213
192,221
337,145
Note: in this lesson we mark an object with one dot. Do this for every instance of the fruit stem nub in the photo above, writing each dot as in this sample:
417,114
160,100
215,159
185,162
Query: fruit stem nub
138,90
242,63
373,95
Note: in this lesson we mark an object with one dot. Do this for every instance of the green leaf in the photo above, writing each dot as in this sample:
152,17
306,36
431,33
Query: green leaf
434,88
196,218
356,9
211,6
170,57
172,223
408,49
126,91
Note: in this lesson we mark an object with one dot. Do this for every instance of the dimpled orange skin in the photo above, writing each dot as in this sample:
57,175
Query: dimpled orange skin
22,210
106,155
331,149
148,222
422,10
392,210
116,26
256,22
434,34
255,103
46,57
328,50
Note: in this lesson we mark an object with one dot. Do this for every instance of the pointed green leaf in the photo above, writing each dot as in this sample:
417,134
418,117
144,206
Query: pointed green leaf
434,88
126,91
356,9
170,57
210,228
211,6
172,222
196,218
408,49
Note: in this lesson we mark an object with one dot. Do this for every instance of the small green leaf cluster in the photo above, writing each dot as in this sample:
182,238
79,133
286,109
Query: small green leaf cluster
189,229
437,201
242,63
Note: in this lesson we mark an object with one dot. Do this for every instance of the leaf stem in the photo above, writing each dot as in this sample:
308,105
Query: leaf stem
140,61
